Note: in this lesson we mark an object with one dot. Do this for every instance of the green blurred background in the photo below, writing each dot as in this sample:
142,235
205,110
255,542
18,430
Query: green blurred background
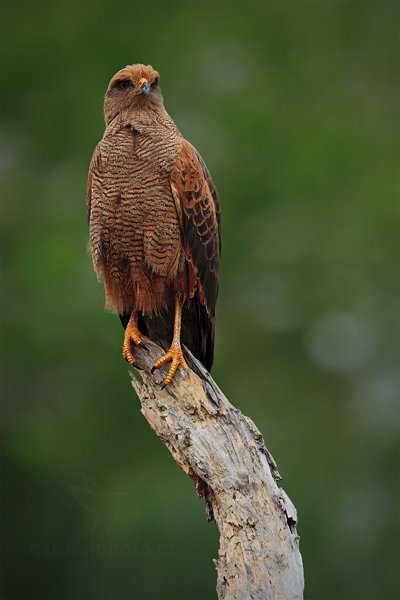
294,106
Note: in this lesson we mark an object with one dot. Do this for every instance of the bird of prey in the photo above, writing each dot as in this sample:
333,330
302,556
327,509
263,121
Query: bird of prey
154,222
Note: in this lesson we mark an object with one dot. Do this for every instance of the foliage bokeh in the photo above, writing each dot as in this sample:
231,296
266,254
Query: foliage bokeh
294,107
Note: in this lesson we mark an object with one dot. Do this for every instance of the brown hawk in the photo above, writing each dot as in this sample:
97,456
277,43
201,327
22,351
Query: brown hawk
154,223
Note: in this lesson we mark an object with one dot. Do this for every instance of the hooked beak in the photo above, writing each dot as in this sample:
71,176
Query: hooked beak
144,86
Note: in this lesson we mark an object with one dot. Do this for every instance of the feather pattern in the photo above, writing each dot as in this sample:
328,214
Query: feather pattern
154,217
198,209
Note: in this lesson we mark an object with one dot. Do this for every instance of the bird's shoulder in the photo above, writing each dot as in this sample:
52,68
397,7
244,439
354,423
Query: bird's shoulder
193,181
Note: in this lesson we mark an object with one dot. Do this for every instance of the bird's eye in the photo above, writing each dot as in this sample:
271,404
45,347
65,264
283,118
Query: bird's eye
123,84
155,83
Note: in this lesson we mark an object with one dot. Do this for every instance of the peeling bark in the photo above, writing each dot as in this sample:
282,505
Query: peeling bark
225,455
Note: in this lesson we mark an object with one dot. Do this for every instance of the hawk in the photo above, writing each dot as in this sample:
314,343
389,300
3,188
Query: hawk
154,220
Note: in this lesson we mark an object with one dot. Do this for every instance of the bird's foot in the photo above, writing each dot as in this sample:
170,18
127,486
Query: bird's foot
175,356
132,334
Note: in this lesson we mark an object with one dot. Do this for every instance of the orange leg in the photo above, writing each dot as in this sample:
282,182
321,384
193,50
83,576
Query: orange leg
174,354
132,334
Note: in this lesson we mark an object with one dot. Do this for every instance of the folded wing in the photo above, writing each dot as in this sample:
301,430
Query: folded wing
198,210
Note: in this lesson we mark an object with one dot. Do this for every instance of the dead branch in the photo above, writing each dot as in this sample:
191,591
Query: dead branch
224,454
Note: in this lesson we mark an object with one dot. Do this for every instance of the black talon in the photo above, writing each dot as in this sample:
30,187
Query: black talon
153,369
163,386
171,393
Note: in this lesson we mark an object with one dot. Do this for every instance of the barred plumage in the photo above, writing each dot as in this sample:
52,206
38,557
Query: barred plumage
154,219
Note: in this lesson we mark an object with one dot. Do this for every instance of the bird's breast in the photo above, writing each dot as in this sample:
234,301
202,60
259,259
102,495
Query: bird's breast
140,147
134,224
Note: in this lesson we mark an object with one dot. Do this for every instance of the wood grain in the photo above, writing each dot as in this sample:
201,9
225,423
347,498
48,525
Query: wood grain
224,454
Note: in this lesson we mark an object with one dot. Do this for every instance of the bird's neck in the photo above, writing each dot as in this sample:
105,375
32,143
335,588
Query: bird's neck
142,107
146,115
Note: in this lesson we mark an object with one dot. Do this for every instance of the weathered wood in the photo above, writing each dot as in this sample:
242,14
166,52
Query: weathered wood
224,454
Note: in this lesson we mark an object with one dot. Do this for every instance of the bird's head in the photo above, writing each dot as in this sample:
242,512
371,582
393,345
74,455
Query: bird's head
135,86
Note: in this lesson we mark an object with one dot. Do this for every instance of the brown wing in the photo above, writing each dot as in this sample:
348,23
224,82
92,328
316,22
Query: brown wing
95,167
197,205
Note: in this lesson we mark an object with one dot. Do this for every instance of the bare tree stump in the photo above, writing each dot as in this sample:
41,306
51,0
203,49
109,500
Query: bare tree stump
224,454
